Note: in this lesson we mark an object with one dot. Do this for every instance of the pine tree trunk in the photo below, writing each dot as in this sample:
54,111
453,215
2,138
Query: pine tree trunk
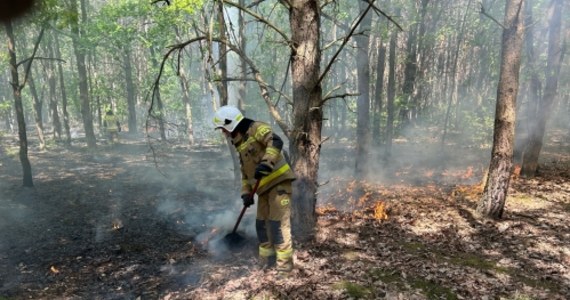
158,100
554,59
79,51
38,106
63,94
131,99
492,202
363,104
380,66
17,89
391,95
304,18
187,106
52,83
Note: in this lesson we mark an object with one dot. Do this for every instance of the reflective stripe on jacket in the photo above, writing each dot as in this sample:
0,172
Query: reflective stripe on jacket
255,146
111,123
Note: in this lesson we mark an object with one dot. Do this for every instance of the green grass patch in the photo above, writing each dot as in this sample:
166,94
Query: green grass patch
386,277
413,247
432,290
354,290
12,152
473,261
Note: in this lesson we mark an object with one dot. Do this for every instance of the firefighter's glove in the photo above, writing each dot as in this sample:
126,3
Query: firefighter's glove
247,200
262,170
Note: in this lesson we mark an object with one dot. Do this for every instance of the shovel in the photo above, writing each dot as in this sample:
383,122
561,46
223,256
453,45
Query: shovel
233,238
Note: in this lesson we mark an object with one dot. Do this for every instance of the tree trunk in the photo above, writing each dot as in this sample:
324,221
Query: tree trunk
17,89
363,104
158,100
410,71
452,95
52,82
79,51
38,105
187,106
421,54
304,18
223,51
522,132
492,202
380,66
131,101
554,59
242,86
391,94
63,94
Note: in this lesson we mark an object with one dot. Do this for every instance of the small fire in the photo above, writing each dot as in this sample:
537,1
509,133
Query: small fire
380,212
364,198
517,171
54,270
117,224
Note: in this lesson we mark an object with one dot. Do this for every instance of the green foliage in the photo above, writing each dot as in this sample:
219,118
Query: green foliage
5,106
479,123
187,6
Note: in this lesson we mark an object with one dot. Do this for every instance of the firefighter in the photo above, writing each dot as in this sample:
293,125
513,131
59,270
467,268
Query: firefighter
261,158
112,126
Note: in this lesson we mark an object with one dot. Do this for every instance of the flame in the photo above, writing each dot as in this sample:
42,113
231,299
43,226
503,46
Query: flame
325,209
117,224
517,171
364,198
380,211
54,270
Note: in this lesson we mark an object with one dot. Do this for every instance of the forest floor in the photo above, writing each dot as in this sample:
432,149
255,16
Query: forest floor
122,222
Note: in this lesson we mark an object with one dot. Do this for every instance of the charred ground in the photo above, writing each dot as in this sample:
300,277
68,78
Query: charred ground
124,222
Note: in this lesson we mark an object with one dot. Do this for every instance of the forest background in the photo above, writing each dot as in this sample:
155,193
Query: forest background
365,78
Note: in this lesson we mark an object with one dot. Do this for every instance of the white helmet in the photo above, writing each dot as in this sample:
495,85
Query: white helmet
227,117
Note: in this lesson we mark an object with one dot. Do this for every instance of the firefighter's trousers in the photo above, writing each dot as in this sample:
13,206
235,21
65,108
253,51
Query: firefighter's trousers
273,226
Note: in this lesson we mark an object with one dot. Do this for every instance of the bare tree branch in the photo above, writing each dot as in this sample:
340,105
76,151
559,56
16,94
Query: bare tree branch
484,12
31,59
260,19
346,38
255,3
158,1
263,86
344,96
380,12
40,58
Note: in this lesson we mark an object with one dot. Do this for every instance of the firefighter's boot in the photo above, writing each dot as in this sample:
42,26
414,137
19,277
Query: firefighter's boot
266,256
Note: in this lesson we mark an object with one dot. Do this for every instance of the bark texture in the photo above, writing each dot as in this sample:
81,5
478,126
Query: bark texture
307,113
492,202
544,107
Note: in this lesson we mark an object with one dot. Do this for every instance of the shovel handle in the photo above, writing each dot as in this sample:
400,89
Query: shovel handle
245,207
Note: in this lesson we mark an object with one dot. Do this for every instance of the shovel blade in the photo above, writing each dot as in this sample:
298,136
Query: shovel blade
234,240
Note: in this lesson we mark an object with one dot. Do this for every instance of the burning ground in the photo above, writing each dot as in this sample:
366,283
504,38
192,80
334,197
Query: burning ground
110,225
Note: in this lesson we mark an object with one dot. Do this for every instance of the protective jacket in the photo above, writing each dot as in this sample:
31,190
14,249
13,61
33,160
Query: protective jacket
256,145
111,123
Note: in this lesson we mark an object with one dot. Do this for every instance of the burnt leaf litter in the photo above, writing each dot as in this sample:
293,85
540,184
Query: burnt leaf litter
104,225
